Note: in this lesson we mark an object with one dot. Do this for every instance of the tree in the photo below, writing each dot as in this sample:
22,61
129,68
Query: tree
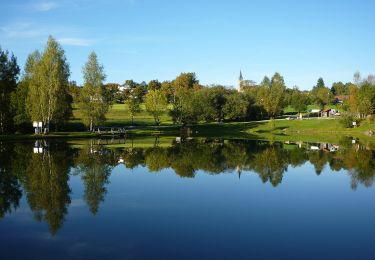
111,91
366,99
48,90
93,101
357,78
134,107
339,88
187,106
321,94
352,103
168,91
21,118
272,95
138,92
186,80
154,85
320,83
156,104
20,97
235,106
212,101
9,71
299,101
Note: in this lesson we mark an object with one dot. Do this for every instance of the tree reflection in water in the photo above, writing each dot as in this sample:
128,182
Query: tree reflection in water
43,176
94,164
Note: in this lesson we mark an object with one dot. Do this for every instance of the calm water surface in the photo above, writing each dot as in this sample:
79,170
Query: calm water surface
195,199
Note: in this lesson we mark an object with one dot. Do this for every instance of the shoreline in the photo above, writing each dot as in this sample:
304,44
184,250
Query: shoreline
278,130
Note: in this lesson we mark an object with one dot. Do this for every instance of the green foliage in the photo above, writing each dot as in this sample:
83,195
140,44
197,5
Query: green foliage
236,106
47,76
47,190
187,107
299,101
212,101
18,102
320,83
154,85
95,169
339,89
156,104
271,95
9,71
347,120
111,93
93,100
322,96
186,80
134,107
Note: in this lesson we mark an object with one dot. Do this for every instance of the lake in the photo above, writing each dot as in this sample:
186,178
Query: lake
173,198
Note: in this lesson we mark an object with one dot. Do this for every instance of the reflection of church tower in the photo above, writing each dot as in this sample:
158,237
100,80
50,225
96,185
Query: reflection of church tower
240,80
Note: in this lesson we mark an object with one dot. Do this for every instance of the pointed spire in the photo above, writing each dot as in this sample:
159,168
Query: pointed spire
240,78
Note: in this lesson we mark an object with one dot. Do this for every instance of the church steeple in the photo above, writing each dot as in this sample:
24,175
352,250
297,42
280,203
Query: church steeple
240,80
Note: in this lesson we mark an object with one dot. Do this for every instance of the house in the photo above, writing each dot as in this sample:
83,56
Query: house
340,99
326,112
330,112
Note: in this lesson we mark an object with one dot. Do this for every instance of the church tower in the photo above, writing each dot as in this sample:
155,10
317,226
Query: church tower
240,81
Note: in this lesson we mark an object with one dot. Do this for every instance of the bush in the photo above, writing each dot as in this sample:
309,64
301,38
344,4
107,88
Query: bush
347,121
370,118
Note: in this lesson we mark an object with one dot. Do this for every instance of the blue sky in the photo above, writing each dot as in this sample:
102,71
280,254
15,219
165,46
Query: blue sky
151,39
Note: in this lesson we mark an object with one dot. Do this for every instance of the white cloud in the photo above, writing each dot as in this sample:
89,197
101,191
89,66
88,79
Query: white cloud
22,30
45,6
75,41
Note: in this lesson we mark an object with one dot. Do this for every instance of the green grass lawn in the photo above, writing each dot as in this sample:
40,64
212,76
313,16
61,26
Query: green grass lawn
290,109
308,130
118,115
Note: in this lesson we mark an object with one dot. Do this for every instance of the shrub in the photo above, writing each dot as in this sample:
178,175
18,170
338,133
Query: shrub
347,121
371,118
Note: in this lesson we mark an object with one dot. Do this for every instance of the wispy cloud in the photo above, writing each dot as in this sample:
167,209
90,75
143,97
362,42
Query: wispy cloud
45,6
40,33
21,31
75,41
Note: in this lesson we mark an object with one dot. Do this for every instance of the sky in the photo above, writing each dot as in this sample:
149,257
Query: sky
158,39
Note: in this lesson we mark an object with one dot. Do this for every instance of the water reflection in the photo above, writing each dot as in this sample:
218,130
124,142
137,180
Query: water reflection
94,165
42,174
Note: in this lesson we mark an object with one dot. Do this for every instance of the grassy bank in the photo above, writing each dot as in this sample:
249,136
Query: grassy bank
310,130
118,115
317,129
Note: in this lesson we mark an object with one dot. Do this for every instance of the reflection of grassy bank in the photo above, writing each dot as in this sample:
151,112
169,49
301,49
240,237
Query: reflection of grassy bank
139,142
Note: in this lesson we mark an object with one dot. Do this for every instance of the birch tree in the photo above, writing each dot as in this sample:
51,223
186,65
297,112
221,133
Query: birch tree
272,95
48,89
93,101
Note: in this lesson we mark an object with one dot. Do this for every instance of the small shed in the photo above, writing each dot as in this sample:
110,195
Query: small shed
326,112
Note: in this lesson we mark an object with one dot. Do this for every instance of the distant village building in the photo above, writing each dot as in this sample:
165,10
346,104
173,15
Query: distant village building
340,99
244,83
123,87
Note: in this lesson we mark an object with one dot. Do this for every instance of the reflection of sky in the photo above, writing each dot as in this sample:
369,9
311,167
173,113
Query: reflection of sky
160,215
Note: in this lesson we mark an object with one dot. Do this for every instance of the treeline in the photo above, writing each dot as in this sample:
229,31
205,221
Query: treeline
43,178
44,93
